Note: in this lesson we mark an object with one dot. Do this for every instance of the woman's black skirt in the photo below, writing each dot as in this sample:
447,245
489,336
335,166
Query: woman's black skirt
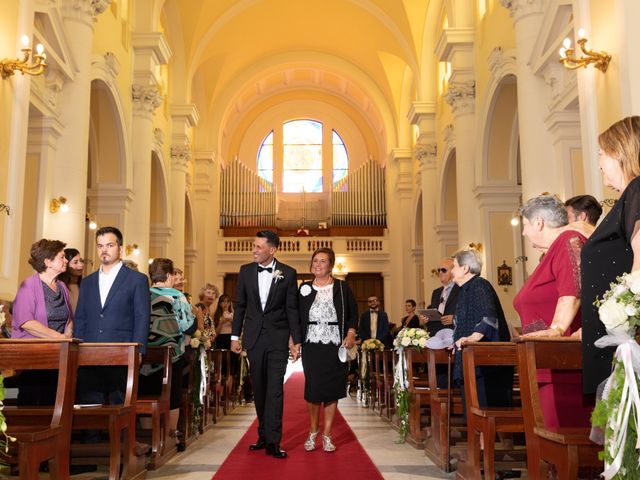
325,375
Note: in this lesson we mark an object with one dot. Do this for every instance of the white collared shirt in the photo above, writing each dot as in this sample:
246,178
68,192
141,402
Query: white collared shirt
446,290
264,282
374,324
105,280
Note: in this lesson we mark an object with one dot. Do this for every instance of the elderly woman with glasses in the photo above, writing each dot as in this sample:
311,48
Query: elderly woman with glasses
549,303
479,317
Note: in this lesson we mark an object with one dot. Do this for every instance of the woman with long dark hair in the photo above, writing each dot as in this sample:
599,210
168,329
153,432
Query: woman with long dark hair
73,275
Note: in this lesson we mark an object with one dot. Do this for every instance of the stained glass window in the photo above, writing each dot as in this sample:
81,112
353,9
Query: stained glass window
340,158
302,156
265,158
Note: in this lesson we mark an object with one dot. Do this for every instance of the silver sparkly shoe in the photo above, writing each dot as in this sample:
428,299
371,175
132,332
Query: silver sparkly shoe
327,445
310,444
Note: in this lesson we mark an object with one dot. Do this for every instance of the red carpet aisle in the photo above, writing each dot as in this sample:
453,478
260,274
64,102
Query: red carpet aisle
348,461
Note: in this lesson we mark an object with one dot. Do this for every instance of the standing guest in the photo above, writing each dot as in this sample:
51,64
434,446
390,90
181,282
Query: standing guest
267,309
73,275
374,323
208,295
223,318
583,208
444,298
171,320
42,309
328,315
614,246
549,304
410,320
479,317
178,284
113,307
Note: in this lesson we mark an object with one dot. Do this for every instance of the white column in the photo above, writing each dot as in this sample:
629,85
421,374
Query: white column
536,143
69,177
206,220
146,99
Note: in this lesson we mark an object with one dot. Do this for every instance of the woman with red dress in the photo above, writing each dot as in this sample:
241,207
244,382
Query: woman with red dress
549,305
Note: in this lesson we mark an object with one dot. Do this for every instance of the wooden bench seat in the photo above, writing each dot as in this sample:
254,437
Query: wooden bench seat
566,448
419,395
37,442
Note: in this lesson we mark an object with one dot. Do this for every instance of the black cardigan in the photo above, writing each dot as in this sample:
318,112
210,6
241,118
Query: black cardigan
350,319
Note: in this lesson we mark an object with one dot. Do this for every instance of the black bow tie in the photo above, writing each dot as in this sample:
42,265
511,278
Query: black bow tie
264,269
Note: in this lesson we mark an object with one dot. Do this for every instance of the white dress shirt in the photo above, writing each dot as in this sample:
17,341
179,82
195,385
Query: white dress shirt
446,290
264,282
105,281
374,323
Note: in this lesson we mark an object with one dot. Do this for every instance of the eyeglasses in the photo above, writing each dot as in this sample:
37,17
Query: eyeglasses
441,270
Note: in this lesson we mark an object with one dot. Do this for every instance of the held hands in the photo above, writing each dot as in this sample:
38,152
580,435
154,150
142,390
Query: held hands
294,350
350,340
236,347
447,319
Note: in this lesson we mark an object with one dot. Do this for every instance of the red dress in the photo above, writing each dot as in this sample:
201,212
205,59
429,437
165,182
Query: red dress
557,275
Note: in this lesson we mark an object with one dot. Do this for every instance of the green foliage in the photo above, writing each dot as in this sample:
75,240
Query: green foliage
4,438
402,408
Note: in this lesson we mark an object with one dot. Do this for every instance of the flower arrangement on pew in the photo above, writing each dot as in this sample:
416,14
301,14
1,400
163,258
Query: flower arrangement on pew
407,337
200,342
4,438
618,412
372,344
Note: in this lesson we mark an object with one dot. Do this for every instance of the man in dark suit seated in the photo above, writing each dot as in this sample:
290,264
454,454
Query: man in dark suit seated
444,298
374,323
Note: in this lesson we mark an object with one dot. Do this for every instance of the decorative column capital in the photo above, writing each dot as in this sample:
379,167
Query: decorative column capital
449,135
85,10
461,96
426,154
146,98
180,156
518,9
158,139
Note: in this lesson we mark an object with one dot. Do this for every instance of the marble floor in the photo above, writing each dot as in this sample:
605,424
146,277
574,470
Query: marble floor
395,461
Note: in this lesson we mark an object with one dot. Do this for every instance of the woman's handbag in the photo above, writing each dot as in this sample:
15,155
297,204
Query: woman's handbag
345,353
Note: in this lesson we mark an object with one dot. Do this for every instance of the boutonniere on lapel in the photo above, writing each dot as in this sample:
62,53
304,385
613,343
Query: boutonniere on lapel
305,290
277,276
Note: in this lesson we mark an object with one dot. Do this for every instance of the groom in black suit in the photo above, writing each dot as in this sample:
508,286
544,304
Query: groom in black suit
267,307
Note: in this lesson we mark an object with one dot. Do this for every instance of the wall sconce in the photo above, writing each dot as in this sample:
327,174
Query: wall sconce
91,222
58,204
151,261
9,66
476,246
5,208
132,248
340,266
515,220
600,60
521,258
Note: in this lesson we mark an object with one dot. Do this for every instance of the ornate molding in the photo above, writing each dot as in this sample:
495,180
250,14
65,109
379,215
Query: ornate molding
461,96
158,139
180,156
426,154
449,135
498,60
86,10
146,98
519,9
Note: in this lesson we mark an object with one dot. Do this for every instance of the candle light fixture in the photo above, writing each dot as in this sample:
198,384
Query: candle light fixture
58,205
132,249
600,60
29,63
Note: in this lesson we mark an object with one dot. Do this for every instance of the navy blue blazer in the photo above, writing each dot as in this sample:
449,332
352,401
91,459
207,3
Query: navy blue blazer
382,330
126,313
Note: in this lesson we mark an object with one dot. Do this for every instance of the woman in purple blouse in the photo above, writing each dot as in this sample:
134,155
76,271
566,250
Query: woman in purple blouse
41,308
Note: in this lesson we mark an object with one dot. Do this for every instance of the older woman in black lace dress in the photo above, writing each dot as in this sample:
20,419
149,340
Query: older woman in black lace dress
328,313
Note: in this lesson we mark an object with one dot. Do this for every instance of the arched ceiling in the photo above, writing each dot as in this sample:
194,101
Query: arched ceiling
233,53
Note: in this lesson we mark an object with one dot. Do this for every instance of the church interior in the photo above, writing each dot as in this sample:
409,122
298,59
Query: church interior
395,132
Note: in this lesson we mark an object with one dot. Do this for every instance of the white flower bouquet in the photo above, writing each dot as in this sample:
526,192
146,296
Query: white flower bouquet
372,344
411,337
617,413
201,339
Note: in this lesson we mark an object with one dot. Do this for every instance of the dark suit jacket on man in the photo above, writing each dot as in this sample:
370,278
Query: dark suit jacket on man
280,316
449,307
382,329
126,313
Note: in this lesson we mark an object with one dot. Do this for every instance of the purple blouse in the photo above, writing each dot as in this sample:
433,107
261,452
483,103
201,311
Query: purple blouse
29,305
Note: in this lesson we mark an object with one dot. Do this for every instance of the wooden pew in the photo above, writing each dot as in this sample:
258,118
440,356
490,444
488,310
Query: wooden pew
419,392
566,448
157,406
118,420
227,380
373,399
486,420
381,406
444,403
37,443
388,361
215,385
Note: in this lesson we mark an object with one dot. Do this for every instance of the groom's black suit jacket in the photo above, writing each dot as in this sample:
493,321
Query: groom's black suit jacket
280,316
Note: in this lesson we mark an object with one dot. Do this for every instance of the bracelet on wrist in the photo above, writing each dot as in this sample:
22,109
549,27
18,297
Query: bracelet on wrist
558,329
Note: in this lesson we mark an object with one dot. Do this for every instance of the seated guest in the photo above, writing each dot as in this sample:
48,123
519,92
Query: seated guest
223,318
583,208
171,320
179,282
42,309
208,294
549,304
444,298
479,317
374,323
73,275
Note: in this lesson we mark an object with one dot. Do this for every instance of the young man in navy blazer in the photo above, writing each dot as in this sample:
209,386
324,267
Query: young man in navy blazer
113,306
266,310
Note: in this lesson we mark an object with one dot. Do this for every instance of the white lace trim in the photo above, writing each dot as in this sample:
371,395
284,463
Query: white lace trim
323,312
